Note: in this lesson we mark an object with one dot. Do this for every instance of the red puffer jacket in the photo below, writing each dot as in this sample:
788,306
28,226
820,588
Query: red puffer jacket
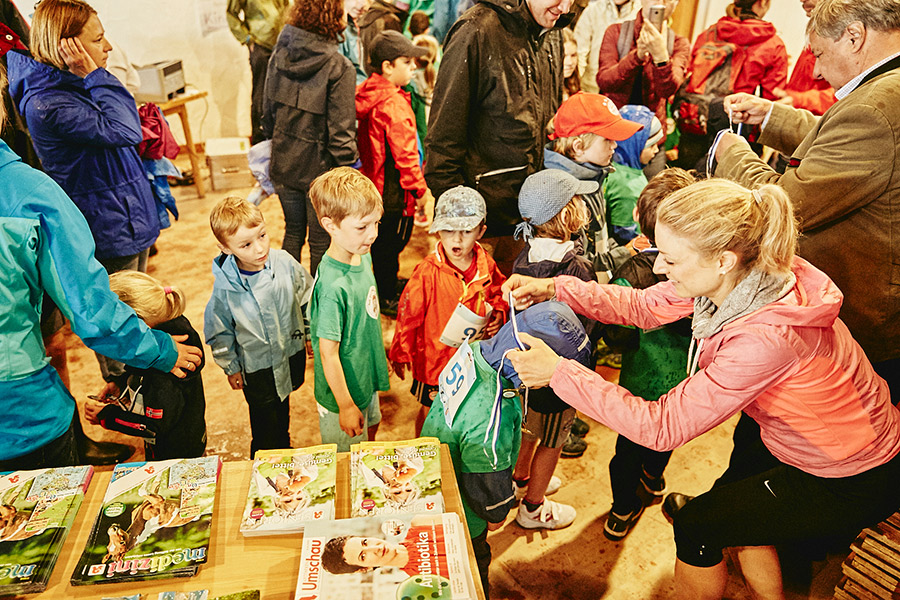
387,130
427,303
765,62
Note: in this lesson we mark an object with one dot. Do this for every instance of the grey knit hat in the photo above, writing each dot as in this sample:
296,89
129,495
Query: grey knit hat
545,193
458,209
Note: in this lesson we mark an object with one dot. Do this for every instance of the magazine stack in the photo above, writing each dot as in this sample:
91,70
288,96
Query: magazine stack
154,522
400,477
385,558
289,488
37,509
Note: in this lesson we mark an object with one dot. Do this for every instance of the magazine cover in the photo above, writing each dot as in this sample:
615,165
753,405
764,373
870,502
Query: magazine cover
289,488
385,558
396,477
154,522
37,509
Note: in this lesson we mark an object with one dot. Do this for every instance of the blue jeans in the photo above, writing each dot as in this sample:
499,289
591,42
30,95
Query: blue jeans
298,215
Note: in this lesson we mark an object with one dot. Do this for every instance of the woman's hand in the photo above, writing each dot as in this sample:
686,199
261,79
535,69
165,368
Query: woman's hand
76,57
528,290
536,365
188,357
653,42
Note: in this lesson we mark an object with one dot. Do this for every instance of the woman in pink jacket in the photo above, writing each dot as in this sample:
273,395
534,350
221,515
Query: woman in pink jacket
769,343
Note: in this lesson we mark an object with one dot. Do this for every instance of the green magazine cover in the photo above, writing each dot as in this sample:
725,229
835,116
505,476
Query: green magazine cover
37,509
154,522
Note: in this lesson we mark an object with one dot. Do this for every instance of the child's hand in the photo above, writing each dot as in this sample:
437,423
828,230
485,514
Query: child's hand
399,369
494,324
309,350
92,410
351,419
236,381
495,526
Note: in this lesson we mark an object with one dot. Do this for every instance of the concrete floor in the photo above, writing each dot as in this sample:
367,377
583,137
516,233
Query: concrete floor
574,563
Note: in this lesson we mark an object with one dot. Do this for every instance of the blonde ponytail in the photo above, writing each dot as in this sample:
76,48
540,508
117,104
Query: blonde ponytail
719,215
153,302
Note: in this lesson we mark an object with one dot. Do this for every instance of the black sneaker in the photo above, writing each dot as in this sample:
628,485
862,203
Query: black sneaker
673,503
618,526
574,447
580,428
655,486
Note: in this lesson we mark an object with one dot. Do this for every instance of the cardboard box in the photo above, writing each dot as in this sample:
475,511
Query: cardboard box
227,161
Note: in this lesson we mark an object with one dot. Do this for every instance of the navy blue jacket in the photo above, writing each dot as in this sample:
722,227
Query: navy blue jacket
85,132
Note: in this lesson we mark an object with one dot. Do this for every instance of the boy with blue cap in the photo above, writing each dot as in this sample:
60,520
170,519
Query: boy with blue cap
483,428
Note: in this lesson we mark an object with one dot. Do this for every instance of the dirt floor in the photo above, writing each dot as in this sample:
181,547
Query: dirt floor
574,563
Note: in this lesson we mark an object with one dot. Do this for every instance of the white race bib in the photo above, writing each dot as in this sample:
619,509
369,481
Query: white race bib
464,324
456,381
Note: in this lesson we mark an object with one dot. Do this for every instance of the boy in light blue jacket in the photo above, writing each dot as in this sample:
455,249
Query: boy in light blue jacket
255,320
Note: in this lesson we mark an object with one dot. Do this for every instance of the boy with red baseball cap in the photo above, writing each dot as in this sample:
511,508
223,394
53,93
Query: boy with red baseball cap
583,136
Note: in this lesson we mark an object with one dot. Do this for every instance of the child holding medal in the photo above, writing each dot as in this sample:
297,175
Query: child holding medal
453,295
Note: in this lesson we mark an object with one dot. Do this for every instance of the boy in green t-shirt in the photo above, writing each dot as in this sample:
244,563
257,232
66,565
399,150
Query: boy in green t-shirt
345,322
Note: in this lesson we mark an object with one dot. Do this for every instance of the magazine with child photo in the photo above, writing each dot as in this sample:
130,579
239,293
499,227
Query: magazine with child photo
394,477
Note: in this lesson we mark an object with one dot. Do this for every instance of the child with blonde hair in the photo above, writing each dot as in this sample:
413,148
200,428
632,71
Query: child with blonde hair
255,320
168,412
551,205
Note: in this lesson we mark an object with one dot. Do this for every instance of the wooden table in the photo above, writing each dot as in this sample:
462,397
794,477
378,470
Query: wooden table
236,563
177,106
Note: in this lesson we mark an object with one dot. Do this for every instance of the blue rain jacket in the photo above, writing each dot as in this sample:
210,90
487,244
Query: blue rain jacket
46,247
85,132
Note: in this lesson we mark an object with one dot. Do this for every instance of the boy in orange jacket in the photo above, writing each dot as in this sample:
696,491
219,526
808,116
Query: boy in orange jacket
389,152
453,296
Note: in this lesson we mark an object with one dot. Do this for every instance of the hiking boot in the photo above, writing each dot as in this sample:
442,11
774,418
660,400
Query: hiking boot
574,447
552,488
673,503
549,515
618,526
655,486
580,428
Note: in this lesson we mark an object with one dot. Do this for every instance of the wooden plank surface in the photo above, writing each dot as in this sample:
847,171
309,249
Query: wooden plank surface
267,563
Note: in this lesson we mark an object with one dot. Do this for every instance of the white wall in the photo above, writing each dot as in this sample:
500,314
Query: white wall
788,17
154,30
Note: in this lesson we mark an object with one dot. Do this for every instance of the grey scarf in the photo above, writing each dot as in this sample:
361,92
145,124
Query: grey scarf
754,291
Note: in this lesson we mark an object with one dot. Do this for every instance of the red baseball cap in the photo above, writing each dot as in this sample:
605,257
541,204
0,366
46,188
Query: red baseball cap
592,113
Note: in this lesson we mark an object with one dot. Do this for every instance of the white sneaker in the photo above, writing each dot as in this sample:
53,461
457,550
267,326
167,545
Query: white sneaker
552,488
549,515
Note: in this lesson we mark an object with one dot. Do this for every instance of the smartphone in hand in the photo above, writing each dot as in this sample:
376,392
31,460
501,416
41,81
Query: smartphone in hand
657,16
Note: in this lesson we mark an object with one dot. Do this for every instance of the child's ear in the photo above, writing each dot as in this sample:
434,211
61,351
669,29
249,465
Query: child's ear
327,224
224,249
387,67
481,231
577,147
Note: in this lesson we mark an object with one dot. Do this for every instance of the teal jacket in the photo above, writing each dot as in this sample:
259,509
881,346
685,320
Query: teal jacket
485,481
46,246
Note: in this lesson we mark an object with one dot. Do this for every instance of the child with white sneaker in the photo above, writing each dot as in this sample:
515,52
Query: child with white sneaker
483,437
550,202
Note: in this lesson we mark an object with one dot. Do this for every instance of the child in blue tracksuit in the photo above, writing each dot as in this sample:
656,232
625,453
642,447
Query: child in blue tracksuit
483,436
623,186
254,321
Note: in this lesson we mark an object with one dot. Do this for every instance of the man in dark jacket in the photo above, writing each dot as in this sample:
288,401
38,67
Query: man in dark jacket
499,84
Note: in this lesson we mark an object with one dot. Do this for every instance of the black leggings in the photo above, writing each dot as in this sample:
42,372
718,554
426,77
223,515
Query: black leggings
783,505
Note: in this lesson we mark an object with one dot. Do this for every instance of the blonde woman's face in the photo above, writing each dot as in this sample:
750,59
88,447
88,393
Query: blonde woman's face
93,38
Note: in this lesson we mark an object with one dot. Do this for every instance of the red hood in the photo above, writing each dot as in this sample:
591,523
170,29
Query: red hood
748,32
814,301
373,91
